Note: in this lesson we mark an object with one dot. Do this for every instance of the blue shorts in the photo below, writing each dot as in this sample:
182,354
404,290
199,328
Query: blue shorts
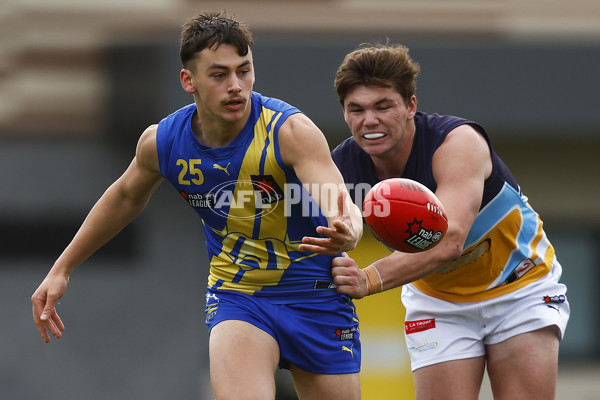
320,337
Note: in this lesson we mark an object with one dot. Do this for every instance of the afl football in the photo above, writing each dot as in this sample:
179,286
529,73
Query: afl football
405,215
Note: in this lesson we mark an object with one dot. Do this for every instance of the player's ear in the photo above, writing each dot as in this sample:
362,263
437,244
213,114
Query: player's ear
412,107
187,82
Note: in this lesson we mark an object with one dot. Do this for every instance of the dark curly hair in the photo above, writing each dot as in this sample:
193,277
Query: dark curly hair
210,30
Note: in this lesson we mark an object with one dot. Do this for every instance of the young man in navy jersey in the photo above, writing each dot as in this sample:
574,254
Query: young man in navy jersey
488,295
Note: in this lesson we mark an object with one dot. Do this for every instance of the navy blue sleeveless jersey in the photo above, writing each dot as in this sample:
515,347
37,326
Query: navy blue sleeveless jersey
431,131
506,247
253,208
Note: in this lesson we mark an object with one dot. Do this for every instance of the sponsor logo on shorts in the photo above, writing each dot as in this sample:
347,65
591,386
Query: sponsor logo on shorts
345,334
213,297
424,347
348,349
555,299
212,304
211,311
419,325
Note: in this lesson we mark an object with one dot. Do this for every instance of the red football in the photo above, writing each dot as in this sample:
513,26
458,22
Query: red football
405,215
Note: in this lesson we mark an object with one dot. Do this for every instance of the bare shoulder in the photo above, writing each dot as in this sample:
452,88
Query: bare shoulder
299,137
146,153
299,125
464,151
147,140
465,135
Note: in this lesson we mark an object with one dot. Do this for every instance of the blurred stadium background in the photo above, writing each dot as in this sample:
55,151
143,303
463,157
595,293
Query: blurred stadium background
80,80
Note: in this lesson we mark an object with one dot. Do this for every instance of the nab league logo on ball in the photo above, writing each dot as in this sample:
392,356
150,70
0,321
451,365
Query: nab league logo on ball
420,237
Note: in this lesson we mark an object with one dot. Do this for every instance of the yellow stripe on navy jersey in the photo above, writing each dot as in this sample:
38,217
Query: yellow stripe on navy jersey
506,233
253,226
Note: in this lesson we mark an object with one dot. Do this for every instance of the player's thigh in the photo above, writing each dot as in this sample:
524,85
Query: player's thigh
525,366
456,379
243,360
311,386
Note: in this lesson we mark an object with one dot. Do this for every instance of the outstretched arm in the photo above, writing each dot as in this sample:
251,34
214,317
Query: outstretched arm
120,204
305,149
460,167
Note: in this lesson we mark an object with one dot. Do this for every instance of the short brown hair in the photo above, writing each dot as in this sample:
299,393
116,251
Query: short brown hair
210,30
383,65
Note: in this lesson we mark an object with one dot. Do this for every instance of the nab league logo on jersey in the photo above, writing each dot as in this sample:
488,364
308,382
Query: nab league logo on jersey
199,200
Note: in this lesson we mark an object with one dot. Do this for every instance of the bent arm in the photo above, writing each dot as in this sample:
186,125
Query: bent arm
460,166
305,149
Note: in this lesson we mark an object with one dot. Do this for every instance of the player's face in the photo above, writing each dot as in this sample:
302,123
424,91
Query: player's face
380,120
221,82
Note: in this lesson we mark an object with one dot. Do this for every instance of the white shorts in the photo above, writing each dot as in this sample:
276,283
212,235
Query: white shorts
438,330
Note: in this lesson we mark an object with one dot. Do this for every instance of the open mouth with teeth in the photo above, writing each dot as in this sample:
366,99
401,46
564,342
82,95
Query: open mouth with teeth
376,135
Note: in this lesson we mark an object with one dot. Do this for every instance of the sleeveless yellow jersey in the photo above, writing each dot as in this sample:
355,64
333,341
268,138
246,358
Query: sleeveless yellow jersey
253,208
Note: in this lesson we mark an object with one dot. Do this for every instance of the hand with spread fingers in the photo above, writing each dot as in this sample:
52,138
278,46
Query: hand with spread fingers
341,236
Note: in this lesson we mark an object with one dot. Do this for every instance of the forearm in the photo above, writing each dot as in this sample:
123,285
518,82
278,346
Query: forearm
398,268
357,222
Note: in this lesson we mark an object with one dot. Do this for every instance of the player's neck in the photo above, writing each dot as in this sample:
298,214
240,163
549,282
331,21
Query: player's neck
213,132
386,168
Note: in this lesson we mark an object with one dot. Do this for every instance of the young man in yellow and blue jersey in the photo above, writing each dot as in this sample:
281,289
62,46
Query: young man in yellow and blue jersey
260,176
